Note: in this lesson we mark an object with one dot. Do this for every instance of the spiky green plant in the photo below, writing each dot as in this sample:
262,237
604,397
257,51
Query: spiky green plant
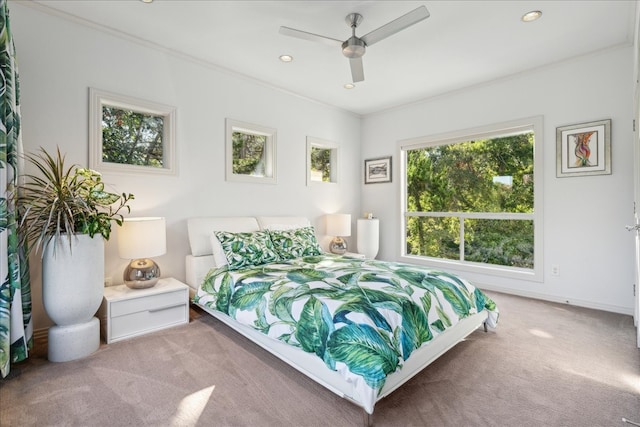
65,200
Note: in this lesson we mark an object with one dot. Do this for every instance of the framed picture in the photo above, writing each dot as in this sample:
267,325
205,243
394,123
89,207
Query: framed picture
584,149
377,170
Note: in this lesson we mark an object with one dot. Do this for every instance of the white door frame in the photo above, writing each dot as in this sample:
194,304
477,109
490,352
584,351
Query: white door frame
636,169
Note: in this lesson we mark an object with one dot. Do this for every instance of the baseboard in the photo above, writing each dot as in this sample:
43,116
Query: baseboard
561,300
41,336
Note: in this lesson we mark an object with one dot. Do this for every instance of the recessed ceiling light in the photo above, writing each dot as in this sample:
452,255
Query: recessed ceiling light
286,58
146,1
531,16
349,85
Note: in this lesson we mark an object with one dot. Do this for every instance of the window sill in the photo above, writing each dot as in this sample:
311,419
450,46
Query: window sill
534,275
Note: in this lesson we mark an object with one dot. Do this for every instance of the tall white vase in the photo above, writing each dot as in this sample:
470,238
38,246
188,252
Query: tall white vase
72,290
368,237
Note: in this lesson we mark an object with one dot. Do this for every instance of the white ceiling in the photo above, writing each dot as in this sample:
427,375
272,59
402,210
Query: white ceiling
462,43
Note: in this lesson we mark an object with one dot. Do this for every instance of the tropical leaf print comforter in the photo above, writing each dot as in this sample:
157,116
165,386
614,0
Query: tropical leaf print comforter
363,318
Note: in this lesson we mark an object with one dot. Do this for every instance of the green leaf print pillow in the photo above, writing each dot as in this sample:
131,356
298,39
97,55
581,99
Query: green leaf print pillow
247,249
296,243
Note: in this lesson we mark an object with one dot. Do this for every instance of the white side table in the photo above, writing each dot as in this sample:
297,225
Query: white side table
127,313
368,237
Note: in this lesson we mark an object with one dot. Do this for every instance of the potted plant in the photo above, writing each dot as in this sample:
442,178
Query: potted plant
66,214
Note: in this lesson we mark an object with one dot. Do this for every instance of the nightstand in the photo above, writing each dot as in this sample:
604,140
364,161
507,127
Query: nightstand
127,313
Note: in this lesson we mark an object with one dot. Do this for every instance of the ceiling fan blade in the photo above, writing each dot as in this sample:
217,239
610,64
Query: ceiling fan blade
310,36
396,25
357,72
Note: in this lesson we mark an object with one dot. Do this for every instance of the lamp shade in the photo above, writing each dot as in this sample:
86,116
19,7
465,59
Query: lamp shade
339,225
143,237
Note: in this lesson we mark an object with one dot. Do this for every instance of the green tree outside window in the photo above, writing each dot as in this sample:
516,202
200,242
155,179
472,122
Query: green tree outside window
459,183
132,138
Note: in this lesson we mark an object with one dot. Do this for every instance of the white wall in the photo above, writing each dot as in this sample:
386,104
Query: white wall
60,59
584,217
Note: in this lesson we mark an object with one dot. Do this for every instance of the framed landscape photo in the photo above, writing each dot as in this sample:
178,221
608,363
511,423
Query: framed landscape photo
584,149
377,170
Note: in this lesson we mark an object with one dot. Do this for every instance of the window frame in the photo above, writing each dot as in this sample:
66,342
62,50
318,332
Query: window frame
313,142
232,126
97,100
534,124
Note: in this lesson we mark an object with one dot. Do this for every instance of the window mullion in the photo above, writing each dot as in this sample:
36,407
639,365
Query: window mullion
462,238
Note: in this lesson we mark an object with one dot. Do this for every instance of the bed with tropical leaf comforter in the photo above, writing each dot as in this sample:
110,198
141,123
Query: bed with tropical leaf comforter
362,318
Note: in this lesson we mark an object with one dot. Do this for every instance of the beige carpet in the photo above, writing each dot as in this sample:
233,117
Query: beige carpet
545,365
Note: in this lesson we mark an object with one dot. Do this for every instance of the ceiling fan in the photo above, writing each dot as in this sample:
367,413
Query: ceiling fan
355,47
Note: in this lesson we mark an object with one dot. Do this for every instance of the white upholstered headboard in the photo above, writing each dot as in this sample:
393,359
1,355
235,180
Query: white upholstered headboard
201,229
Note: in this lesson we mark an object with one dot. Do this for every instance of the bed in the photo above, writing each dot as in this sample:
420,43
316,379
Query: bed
361,328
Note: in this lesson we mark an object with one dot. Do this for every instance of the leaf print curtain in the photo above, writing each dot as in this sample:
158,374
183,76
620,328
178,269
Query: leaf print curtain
16,328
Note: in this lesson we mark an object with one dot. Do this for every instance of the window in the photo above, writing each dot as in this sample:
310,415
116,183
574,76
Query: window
473,199
130,135
251,153
322,161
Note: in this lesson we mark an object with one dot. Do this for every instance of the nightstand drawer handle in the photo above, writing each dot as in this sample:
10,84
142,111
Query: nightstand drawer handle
166,307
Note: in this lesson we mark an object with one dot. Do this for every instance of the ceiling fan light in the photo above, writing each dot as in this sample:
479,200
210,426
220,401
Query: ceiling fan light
353,48
531,16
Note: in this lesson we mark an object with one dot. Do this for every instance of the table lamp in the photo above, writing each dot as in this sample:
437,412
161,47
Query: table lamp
140,239
339,226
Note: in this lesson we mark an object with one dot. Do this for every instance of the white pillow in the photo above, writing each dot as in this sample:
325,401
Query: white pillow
201,228
281,227
218,253
282,222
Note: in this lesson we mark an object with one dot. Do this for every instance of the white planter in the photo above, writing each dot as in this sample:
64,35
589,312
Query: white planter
72,290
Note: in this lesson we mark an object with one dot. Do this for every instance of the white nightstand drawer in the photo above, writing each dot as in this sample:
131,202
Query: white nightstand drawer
145,303
142,321
127,313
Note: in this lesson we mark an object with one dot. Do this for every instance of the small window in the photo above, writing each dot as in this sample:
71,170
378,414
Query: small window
322,161
130,135
251,153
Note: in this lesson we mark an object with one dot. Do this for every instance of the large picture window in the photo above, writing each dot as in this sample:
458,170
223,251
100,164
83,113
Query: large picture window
472,199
